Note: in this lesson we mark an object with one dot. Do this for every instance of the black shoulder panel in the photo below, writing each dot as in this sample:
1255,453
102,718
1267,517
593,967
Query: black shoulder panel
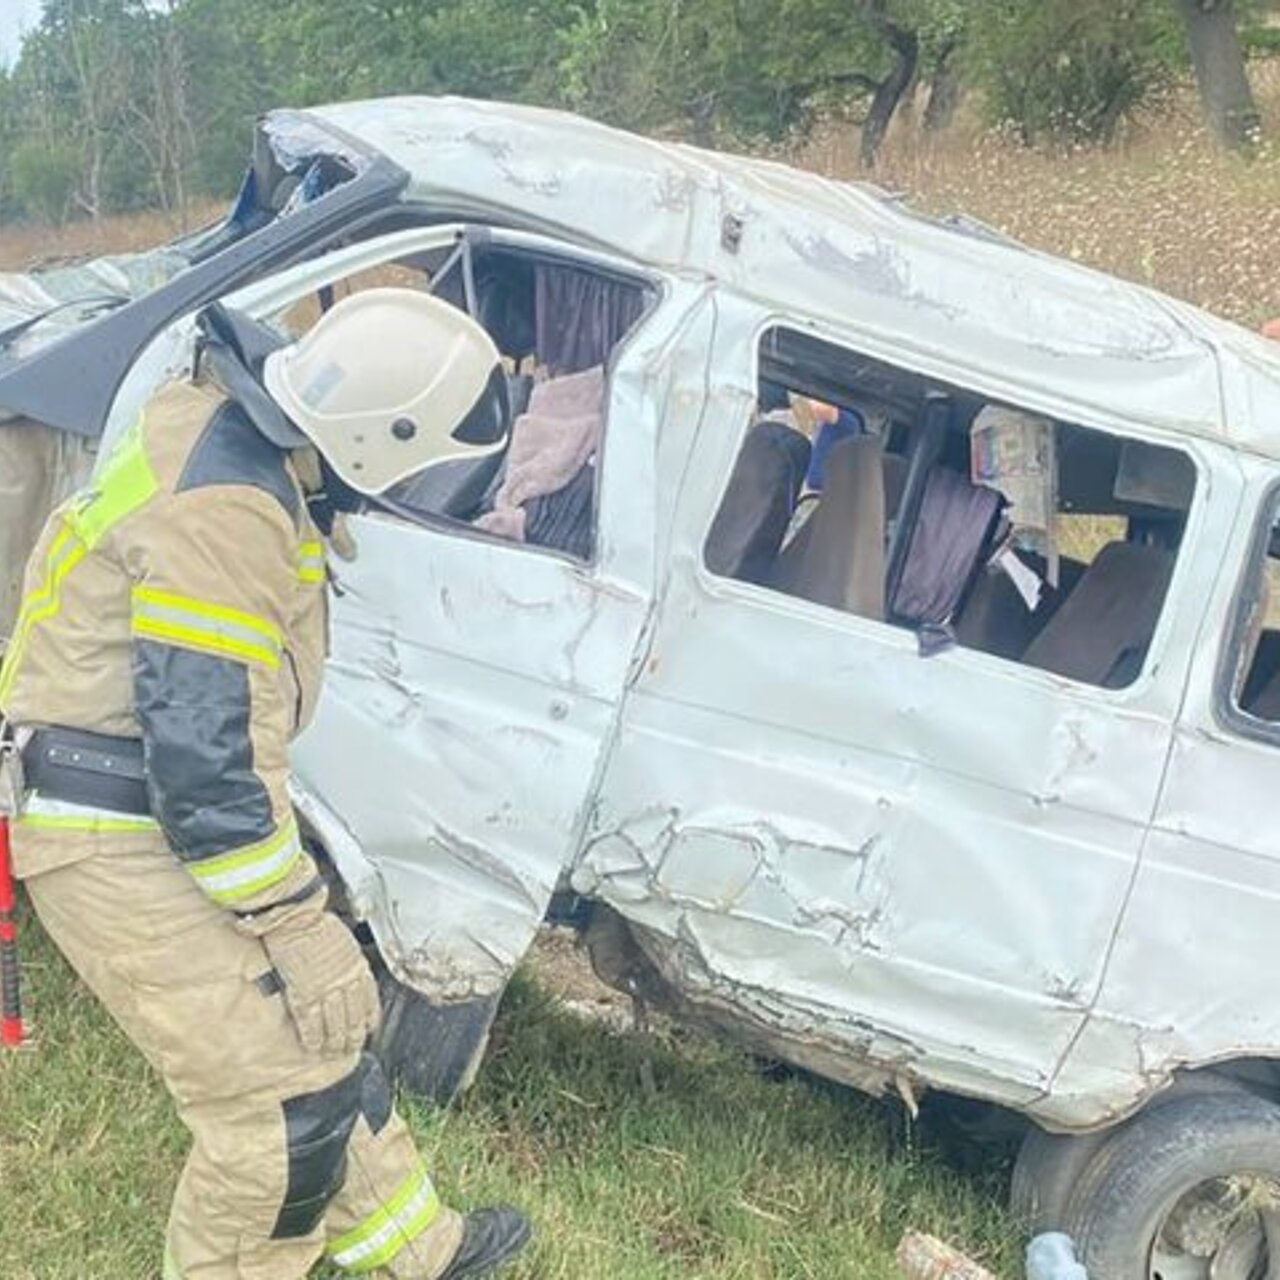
231,450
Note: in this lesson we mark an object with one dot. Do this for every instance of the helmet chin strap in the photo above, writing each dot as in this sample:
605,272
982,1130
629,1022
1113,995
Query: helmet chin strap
329,496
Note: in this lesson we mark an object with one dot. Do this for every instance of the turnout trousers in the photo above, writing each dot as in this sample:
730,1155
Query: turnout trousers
296,1155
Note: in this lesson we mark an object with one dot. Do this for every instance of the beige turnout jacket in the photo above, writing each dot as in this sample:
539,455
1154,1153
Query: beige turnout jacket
180,599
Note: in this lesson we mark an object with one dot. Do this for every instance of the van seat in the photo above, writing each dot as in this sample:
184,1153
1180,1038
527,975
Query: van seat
757,504
837,557
1101,633
995,618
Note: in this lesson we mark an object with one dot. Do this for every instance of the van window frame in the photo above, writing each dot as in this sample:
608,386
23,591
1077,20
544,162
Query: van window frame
975,382
533,247
1231,675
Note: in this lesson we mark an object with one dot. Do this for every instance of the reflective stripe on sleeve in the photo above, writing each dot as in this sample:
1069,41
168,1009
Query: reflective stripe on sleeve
65,552
201,624
40,813
311,562
127,482
232,877
387,1230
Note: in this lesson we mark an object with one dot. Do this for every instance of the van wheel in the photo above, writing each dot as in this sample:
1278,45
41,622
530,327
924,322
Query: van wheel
1049,1164
1045,1174
1188,1191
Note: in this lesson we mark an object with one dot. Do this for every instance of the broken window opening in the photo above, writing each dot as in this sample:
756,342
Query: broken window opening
557,324
873,490
1253,691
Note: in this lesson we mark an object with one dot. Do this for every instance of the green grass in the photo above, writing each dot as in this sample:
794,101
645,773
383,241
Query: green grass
639,1158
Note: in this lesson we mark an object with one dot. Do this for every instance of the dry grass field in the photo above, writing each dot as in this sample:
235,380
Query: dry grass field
1162,206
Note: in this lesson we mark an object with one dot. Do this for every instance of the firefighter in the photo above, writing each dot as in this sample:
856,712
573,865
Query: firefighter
169,645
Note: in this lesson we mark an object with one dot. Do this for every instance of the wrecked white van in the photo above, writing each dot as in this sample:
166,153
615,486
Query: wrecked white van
888,672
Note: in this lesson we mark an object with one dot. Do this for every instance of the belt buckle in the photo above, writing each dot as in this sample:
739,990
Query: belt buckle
12,781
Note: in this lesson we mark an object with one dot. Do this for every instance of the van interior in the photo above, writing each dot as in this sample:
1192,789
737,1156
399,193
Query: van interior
870,489
556,323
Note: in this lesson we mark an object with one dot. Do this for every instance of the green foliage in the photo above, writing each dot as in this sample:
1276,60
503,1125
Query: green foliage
230,84
43,178
1261,42
1072,68
159,103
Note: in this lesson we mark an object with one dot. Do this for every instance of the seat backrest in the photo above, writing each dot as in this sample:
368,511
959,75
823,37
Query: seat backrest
995,618
1101,633
837,558
757,505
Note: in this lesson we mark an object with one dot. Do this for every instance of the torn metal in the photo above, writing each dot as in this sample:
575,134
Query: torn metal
905,872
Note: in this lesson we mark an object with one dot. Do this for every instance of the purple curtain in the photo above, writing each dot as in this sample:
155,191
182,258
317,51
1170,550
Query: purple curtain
580,316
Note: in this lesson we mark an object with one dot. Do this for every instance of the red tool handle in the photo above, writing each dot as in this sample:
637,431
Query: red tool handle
11,1028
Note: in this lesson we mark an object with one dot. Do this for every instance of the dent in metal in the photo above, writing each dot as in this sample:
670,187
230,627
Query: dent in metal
953,873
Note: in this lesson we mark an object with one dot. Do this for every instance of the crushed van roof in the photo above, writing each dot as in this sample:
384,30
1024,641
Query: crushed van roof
843,255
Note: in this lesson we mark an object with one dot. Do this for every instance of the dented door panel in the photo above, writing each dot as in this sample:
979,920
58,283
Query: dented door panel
1186,985
474,687
813,820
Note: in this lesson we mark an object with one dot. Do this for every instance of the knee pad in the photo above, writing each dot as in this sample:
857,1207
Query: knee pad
317,1130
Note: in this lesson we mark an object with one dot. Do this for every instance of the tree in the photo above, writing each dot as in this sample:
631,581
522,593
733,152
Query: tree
902,41
1216,53
44,177
1071,69
87,44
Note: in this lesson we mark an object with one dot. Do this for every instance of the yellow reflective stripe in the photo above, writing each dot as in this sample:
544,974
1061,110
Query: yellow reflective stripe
65,552
373,1244
171,1271
111,826
311,562
125,483
43,813
201,624
232,877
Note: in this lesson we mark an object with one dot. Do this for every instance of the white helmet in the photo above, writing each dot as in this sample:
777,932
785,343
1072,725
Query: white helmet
391,381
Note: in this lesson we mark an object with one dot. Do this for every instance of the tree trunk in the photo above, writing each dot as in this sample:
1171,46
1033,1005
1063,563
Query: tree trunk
1219,62
905,45
702,120
944,93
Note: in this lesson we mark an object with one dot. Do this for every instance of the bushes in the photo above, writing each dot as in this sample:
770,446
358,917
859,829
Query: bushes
159,102
1073,69
42,178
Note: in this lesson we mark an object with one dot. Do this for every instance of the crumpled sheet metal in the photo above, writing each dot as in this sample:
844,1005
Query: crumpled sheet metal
921,863
296,139
1188,982
473,693
1039,328
27,295
461,774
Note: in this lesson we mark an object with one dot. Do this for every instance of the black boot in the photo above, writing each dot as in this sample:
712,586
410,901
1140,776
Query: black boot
490,1238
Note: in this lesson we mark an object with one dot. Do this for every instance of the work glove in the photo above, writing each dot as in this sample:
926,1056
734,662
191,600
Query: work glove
327,984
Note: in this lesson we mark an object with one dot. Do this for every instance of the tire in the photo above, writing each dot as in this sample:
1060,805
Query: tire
1045,1173
1124,1196
432,1050
1049,1165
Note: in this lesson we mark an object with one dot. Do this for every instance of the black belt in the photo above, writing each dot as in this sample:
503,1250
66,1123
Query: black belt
93,769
